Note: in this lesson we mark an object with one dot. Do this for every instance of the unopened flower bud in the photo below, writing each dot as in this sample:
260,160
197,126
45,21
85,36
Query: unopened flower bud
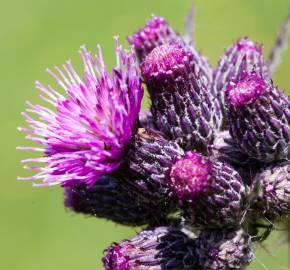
259,118
183,106
272,185
159,249
226,249
211,193
243,56
156,32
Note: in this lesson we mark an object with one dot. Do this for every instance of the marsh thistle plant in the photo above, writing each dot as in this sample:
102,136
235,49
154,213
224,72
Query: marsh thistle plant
204,169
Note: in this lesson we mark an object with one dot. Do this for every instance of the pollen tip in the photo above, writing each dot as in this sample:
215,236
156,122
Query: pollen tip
154,27
115,259
246,90
246,44
189,176
164,58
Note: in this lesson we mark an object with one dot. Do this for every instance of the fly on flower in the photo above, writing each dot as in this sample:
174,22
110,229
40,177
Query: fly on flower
85,134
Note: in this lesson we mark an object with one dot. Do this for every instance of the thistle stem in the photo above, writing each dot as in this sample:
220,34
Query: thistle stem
189,26
280,45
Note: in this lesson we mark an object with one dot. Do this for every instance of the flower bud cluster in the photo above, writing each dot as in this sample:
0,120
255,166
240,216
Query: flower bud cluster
206,162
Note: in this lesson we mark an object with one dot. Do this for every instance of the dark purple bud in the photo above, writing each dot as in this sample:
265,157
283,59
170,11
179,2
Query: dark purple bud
272,185
110,200
226,249
224,149
211,193
155,33
148,159
243,56
182,105
259,117
162,248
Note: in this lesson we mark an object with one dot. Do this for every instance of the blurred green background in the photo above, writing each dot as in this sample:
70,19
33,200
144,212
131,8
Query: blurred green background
35,230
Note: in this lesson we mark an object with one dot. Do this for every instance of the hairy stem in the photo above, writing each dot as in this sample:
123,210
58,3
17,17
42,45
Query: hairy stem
280,45
189,26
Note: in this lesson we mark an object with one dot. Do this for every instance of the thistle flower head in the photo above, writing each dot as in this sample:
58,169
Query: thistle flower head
164,59
182,105
224,249
248,89
155,33
156,249
259,118
85,135
243,56
189,176
210,192
147,161
273,190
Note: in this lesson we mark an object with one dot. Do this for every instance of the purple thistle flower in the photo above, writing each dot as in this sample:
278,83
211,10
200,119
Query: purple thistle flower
182,105
156,32
243,56
211,193
110,199
162,248
86,134
272,185
259,118
226,249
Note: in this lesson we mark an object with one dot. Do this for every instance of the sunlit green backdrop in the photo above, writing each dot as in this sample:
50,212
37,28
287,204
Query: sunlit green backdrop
35,230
